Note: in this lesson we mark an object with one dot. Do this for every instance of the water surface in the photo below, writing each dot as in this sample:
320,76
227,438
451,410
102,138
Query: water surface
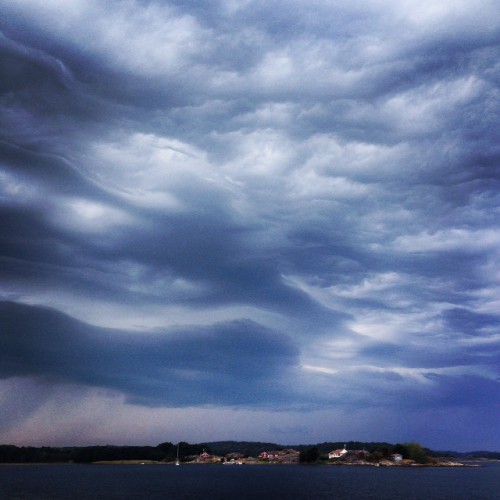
57,482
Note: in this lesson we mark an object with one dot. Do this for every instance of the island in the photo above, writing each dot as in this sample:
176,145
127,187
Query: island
350,453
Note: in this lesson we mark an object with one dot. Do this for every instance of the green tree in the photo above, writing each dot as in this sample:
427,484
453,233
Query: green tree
416,452
168,451
310,455
375,456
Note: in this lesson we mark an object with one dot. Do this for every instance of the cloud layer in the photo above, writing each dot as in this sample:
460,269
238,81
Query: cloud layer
253,206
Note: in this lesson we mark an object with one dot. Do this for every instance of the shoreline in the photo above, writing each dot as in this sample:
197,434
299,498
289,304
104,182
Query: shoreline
184,464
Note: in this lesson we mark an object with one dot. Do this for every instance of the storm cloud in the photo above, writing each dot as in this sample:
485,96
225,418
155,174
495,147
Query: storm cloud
285,207
179,367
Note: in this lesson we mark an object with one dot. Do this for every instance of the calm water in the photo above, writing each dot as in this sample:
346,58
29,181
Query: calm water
247,481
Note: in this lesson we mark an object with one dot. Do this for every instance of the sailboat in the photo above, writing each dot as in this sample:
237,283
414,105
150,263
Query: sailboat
177,461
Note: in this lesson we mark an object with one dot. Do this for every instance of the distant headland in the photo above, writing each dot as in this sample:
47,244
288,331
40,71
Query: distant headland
247,452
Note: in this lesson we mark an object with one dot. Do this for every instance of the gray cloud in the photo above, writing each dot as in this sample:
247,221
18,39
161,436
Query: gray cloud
231,363
305,193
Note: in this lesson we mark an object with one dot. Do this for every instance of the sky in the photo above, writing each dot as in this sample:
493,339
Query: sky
251,220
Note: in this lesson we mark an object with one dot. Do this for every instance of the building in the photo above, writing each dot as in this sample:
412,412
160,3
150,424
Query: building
269,455
337,453
282,456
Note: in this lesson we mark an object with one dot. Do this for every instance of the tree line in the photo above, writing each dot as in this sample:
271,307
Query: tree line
164,452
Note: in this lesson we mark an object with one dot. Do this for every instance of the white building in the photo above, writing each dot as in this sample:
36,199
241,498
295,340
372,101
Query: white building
337,453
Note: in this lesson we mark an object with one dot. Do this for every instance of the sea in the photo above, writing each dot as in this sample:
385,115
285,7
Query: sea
274,482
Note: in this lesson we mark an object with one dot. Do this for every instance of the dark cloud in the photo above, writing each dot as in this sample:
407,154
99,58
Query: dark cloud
231,363
470,323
